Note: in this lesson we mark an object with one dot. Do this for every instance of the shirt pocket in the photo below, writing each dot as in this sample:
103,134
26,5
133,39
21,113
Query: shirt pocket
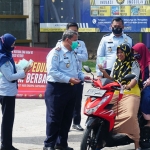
110,47
66,65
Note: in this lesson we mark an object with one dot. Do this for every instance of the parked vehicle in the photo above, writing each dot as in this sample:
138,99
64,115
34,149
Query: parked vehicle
101,117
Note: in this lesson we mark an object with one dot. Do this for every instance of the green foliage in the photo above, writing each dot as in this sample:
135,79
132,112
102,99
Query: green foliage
91,64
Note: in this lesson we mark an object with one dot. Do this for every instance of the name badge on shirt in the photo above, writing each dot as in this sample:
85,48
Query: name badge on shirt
109,49
79,44
68,65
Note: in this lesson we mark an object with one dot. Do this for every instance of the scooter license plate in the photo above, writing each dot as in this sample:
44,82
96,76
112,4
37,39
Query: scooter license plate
95,92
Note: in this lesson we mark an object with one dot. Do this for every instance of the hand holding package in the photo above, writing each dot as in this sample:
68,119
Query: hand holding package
22,64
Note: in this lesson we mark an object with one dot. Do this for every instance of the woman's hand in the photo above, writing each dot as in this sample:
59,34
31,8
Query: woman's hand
27,69
127,87
146,83
101,68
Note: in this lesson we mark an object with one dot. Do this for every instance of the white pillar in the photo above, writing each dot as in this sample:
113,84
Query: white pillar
28,10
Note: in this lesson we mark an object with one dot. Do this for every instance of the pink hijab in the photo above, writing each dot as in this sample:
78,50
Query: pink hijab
144,61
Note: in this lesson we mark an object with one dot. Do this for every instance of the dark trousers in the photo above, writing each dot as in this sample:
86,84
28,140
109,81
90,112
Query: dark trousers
77,108
108,71
60,101
8,112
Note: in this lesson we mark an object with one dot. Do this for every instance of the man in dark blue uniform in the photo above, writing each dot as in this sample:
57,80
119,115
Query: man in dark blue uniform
62,11
63,74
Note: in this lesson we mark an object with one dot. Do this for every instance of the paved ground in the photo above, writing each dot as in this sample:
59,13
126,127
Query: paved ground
29,126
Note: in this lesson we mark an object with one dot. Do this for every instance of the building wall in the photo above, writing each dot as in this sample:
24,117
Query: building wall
28,10
27,28
40,39
14,20
50,39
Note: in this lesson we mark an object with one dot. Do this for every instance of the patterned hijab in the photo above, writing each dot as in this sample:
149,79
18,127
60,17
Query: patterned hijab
144,60
123,68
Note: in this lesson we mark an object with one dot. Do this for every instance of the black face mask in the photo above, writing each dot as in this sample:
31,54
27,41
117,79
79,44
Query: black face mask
137,56
117,30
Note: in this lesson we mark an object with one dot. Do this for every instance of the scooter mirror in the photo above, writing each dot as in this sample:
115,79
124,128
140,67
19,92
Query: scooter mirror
129,77
87,69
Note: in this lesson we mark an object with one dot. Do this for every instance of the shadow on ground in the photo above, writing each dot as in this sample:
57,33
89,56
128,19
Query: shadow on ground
39,140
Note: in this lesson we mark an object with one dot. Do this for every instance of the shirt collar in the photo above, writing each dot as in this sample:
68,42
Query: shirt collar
64,48
112,35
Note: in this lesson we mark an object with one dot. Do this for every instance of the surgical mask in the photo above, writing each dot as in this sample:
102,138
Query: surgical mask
74,45
8,49
137,56
116,30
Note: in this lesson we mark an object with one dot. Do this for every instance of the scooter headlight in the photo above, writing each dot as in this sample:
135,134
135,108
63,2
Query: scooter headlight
92,110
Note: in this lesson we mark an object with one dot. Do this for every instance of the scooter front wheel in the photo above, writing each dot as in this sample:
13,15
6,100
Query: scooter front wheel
89,141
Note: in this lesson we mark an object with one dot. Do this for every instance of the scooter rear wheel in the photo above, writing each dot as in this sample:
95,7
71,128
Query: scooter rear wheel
89,139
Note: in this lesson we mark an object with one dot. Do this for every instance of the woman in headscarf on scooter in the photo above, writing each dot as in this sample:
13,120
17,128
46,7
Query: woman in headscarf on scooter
126,121
142,55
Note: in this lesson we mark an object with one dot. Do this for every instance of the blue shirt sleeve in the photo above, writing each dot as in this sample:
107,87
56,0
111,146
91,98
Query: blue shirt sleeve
7,71
81,75
100,53
81,51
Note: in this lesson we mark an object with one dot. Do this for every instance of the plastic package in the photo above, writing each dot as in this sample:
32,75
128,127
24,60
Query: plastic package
22,64
102,61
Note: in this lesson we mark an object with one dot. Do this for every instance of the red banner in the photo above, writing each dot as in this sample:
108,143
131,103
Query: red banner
33,86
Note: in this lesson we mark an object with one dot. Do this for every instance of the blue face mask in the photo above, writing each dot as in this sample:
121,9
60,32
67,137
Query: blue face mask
137,56
74,45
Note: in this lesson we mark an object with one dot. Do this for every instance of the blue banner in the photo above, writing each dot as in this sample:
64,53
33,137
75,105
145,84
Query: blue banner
94,15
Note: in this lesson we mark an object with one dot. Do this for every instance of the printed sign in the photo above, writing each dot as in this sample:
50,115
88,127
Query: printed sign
94,15
33,86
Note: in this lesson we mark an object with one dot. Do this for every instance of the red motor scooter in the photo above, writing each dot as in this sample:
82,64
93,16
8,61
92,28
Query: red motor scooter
100,122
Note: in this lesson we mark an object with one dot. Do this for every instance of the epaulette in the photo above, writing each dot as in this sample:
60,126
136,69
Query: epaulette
129,36
107,34
60,40
57,48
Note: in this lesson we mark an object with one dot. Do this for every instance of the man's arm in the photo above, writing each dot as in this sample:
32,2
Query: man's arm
100,53
82,55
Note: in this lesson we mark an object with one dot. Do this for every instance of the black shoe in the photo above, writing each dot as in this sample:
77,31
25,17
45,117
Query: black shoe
62,148
48,148
77,127
12,148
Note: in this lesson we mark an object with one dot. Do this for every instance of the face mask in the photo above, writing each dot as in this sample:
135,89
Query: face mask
117,30
74,45
12,48
137,56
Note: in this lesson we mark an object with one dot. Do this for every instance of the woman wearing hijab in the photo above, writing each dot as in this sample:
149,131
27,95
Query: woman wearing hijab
126,121
8,89
142,55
